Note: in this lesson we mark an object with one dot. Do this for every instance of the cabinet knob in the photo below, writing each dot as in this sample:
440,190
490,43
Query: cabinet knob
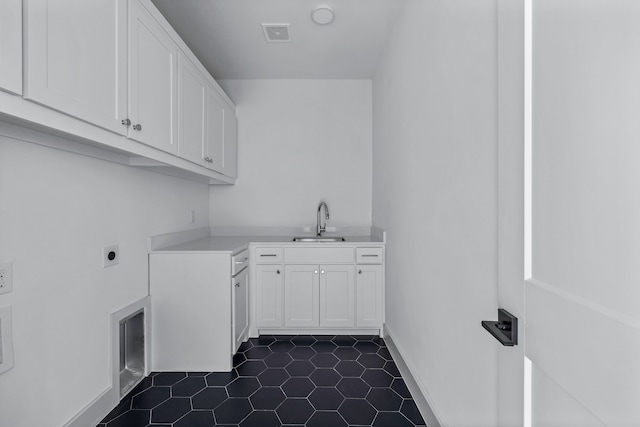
137,127
208,159
359,271
126,122
321,271
277,271
237,285
315,271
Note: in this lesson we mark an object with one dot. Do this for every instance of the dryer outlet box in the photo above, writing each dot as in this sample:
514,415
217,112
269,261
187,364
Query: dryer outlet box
110,255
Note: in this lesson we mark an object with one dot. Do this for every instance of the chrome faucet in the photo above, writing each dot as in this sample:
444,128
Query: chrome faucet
323,228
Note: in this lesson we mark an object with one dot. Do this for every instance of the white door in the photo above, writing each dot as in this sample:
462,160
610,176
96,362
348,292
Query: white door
583,293
76,58
301,291
569,214
337,294
192,107
153,66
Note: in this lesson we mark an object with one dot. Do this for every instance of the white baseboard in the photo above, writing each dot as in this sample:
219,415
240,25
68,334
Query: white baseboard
420,395
95,411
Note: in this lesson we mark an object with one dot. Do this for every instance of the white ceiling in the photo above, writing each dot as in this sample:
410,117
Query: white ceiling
227,37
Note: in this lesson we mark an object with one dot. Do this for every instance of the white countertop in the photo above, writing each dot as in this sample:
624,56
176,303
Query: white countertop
236,243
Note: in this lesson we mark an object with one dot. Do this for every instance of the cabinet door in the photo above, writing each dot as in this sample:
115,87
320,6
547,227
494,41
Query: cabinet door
214,143
76,58
192,107
269,295
337,294
11,46
152,81
241,308
301,292
369,296
230,146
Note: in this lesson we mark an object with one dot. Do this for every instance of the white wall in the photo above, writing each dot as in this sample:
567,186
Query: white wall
434,191
57,211
586,233
299,142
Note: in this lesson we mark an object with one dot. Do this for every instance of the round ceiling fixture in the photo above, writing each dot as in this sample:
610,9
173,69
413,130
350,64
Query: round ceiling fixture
323,15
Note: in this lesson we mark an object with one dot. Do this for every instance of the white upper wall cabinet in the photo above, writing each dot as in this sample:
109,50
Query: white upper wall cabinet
153,58
192,91
214,144
11,46
76,57
230,145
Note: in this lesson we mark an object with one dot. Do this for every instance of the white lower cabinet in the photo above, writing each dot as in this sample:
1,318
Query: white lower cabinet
369,295
319,295
325,296
269,287
199,317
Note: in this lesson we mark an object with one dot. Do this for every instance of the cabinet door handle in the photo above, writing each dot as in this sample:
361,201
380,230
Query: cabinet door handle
315,271
277,271
137,127
268,255
208,159
321,271
369,255
126,122
359,271
242,261
238,285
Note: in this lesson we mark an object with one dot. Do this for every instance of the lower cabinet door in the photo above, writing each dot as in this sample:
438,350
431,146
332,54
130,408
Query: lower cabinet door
301,283
337,294
369,296
241,309
269,284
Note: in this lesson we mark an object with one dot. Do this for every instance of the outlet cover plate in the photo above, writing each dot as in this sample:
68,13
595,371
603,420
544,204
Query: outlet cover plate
6,277
110,256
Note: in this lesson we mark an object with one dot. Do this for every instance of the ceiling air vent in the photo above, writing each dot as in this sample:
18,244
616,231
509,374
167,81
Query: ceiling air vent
276,33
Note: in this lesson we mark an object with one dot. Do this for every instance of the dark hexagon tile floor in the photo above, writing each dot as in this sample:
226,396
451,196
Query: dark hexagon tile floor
282,380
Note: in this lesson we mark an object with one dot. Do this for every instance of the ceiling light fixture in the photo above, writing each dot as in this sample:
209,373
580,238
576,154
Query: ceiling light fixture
323,15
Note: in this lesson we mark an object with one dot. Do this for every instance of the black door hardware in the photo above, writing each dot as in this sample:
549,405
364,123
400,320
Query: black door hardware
505,329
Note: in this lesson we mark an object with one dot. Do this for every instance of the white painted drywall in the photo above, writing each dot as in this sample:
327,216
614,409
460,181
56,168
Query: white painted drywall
586,233
434,191
299,142
57,212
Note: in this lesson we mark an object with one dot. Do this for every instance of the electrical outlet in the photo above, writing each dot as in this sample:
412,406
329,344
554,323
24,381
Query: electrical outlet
110,256
6,277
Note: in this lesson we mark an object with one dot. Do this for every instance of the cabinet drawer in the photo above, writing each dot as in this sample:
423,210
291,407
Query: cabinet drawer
318,255
268,255
239,261
368,255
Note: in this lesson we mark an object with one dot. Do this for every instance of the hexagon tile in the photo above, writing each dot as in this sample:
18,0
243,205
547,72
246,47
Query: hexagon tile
288,380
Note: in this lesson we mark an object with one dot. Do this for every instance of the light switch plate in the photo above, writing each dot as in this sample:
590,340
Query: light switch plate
6,277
